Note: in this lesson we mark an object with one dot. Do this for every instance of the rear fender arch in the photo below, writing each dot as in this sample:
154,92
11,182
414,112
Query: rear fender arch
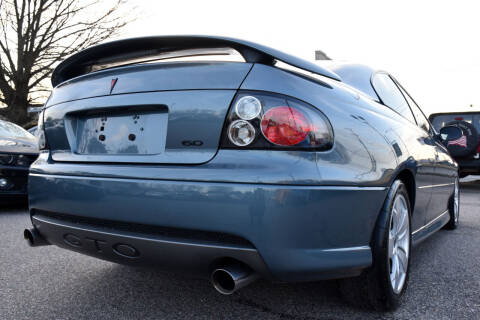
406,174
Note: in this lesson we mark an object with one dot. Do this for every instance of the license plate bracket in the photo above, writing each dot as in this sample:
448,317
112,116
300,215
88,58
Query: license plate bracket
125,133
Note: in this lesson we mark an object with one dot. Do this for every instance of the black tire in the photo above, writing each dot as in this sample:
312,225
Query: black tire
373,288
471,135
454,215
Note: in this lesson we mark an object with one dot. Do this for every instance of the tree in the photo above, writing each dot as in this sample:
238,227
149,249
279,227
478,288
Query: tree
35,35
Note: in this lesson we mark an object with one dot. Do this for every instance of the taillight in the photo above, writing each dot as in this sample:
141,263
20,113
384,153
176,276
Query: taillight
42,140
478,147
270,121
285,126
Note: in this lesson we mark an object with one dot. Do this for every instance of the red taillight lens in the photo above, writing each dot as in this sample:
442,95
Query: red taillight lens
285,126
478,148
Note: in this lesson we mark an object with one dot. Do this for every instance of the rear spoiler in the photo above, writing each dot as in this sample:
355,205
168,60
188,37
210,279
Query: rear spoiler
135,48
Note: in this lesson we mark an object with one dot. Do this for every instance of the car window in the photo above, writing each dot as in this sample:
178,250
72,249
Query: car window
10,130
390,95
476,122
439,121
422,121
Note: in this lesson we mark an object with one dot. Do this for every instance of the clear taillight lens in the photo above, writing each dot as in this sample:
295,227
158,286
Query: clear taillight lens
248,107
241,133
42,140
260,120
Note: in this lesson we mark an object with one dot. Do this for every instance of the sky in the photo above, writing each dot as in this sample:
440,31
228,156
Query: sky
431,47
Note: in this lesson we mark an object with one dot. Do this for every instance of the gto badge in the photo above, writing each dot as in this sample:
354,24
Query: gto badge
192,143
100,246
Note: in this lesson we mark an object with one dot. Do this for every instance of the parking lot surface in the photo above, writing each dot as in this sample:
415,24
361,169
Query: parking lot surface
52,283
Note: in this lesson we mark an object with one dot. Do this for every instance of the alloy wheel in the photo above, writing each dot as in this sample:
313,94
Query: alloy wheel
399,243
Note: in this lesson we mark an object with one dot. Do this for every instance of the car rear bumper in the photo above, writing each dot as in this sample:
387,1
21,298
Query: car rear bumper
283,232
142,249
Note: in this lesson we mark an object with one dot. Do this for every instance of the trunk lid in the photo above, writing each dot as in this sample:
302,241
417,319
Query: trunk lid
164,113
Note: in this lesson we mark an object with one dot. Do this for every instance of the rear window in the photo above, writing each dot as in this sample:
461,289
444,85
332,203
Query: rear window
391,96
439,121
190,55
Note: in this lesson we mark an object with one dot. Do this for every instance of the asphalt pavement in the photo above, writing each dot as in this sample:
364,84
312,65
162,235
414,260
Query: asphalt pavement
52,283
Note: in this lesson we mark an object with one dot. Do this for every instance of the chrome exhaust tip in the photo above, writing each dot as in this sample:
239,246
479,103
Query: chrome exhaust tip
34,239
229,279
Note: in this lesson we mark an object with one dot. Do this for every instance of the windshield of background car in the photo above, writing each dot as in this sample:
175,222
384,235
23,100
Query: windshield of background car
10,130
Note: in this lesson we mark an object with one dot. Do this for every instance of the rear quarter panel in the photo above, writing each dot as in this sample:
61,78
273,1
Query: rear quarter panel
363,152
373,144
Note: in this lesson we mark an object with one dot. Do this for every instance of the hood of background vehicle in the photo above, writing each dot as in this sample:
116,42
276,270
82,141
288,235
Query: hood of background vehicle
19,145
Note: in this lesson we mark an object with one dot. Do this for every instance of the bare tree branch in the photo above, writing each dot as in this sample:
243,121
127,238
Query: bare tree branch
43,33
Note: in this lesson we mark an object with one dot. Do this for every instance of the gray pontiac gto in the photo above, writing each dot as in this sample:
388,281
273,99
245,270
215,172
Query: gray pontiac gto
231,160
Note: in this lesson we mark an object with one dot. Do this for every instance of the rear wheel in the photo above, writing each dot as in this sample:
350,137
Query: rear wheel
381,287
454,208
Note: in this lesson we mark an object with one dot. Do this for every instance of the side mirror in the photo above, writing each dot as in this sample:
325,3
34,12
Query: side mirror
450,133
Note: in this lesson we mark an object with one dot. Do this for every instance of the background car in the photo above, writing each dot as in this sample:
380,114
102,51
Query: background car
270,166
33,130
465,147
18,149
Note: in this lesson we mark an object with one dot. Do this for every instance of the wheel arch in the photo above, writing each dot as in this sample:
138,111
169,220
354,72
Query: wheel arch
406,175
408,179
